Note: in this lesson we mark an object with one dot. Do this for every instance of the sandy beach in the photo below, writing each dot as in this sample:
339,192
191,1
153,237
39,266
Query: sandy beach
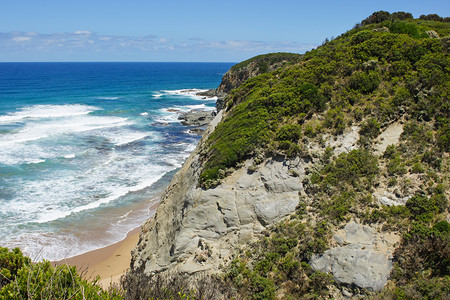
110,262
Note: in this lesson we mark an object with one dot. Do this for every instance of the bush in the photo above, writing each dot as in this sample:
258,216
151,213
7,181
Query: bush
10,264
423,249
422,208
352,167
365,82
289,132
339,206
443,138
407,28
23,280
262,288
370,128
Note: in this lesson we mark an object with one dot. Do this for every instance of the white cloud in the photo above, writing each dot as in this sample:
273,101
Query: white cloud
83,32
20,39
84,43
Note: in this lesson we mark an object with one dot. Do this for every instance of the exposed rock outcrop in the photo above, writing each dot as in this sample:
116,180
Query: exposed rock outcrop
197,117
363,257
196,230
241,72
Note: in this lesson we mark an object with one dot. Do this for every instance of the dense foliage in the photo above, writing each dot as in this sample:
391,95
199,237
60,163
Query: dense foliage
390,69
379,71
264,61
21,279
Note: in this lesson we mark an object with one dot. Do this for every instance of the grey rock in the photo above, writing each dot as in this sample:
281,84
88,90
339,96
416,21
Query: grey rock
231,214
363,257
363,268
197,117
432,34
381,29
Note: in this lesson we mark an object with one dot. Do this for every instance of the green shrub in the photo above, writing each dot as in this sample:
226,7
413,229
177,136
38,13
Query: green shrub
10,264
335,119
352,167
339,206
289,132
423,249
408,28
262,288
396,166
365,82
42,281
370,128
443,138
422,208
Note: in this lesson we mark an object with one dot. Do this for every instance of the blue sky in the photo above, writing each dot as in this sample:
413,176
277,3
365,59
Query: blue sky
176,30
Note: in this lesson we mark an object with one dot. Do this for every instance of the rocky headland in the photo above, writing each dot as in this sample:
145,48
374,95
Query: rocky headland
313,179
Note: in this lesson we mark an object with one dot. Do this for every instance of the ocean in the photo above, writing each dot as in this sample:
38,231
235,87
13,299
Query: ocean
85,148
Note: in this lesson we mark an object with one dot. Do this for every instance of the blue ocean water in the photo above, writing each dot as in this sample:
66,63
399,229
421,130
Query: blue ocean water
86,147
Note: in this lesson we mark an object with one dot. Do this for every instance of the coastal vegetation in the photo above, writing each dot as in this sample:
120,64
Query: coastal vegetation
380,71
22,279
390,69
387,69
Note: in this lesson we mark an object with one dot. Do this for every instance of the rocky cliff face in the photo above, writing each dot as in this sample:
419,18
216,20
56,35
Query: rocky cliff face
350,190
241,72
245,70
197,230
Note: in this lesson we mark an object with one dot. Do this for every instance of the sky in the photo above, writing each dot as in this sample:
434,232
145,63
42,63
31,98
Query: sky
180,30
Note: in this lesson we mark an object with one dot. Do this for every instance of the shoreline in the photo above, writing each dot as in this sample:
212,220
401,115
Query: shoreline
109,262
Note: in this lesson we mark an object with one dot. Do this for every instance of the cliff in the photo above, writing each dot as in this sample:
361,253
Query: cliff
324,175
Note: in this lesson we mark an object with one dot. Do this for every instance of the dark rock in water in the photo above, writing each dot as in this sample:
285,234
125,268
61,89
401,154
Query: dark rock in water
197,117
208,93
197,130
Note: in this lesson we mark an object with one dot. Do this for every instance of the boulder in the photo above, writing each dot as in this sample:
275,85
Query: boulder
363,257
197,117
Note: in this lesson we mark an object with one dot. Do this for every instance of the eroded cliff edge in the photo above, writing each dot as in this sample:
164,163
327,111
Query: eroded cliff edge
196,229
324,177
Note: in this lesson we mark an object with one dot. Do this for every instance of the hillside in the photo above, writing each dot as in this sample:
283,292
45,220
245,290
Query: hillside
324,176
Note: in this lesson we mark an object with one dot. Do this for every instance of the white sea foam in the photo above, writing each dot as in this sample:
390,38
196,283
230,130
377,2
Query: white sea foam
37,130
65,193
36,161
133,137
47,111
108,98
191,93
69,155
190,148
171,114
168,116
105,180
116,191
144,114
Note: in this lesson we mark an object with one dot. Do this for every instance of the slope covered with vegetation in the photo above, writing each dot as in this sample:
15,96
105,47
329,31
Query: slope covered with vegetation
390,69
381,70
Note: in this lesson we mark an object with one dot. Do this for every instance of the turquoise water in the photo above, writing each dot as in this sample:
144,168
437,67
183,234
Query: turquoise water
86,147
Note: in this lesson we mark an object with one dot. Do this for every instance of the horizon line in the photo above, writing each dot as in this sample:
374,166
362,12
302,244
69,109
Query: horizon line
196,62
